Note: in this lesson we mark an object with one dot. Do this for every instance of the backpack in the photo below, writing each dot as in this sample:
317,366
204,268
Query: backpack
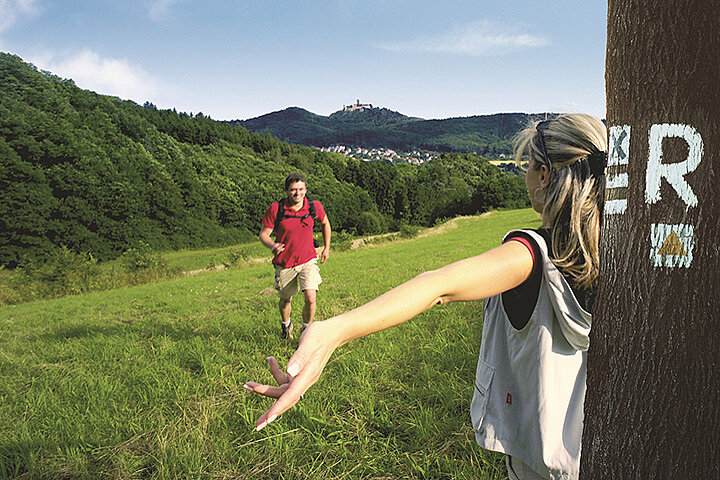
281,214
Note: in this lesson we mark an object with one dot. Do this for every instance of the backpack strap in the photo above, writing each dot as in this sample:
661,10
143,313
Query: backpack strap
280,215
281,212
311,205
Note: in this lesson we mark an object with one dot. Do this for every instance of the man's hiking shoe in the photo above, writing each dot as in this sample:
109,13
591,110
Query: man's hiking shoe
287,330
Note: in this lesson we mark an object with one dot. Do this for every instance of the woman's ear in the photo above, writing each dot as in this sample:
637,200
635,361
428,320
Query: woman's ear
544,176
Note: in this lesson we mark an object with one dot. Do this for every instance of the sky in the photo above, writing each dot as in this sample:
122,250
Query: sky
244,58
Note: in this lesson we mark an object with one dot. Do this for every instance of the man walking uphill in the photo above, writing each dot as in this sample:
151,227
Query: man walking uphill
296,268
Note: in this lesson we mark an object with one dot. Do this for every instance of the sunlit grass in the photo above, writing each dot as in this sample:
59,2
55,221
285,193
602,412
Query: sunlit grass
146,382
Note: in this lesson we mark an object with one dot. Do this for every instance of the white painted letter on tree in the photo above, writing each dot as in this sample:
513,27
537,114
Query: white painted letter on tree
619,155
673,172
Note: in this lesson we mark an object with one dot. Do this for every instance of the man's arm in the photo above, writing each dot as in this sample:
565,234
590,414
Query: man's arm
269,242
326,233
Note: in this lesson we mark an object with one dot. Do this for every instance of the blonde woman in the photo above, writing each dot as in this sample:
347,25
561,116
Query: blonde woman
539,284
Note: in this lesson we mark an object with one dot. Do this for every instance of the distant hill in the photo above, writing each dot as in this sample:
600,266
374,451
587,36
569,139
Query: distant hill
371,117
294,122
95,174
488,135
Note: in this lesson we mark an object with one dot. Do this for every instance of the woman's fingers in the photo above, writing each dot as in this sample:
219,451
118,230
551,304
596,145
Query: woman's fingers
267,390
288,399
317,343
280,376
288,393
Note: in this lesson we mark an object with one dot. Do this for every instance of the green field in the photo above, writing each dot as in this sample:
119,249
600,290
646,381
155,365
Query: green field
146,382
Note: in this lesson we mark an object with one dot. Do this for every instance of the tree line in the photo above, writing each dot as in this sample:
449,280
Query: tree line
100,175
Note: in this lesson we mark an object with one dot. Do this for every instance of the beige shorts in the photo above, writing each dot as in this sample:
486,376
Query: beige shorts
289,281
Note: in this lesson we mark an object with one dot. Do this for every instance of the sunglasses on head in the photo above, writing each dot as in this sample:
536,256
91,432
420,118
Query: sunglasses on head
539,127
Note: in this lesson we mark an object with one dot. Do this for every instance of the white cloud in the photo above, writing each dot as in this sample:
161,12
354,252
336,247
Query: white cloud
108,76
12,10
159,9
478,39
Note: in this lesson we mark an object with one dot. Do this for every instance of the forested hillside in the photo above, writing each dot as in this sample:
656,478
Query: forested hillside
382,128
101,175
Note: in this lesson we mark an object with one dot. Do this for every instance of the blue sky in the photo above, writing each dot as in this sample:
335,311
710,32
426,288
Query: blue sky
241,59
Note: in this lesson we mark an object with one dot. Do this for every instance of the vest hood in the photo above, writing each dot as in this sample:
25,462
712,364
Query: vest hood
574,321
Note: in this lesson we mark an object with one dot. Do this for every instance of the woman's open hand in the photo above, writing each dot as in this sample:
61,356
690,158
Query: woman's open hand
317,343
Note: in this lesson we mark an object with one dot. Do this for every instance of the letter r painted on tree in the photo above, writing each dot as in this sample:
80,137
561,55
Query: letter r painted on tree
673,172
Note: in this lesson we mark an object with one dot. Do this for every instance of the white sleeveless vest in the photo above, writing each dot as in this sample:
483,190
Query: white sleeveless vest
530,383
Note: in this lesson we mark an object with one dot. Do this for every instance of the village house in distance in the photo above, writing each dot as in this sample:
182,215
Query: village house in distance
379,153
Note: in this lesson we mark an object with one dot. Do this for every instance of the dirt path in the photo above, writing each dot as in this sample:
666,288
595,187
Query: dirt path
217,268
451,224
357,243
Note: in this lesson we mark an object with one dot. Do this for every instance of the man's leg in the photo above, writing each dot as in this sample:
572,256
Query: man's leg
310,306
285,306
287,285
309,279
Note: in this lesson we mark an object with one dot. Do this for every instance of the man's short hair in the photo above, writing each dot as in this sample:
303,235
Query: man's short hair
294,177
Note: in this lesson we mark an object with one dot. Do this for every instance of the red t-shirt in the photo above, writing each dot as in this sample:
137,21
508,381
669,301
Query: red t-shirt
295,232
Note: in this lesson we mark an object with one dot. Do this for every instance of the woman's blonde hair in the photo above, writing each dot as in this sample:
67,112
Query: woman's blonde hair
574,147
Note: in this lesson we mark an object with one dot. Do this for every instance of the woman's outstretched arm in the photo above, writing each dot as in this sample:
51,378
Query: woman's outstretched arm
475,278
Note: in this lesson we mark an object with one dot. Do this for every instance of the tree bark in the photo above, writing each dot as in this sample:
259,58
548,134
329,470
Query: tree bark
652,409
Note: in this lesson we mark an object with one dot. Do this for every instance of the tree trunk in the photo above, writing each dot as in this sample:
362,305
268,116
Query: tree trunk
652,409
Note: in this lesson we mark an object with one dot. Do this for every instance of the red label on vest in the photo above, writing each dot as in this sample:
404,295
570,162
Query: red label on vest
508,400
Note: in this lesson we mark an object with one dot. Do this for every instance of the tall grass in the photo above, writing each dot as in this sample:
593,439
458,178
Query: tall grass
146,382
63,272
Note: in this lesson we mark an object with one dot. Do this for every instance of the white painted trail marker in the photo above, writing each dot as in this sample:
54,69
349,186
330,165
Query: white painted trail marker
619,155
671,245
673,172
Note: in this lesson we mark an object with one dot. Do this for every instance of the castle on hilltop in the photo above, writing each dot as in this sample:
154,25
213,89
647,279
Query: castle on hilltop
357,106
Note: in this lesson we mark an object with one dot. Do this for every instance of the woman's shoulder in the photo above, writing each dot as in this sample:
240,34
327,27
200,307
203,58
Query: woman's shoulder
585,297
532,238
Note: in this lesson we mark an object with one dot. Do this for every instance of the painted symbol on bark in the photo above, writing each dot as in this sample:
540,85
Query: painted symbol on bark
675,172
617,182
671,245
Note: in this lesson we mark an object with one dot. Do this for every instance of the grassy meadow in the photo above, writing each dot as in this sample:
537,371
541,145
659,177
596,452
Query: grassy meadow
146,381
